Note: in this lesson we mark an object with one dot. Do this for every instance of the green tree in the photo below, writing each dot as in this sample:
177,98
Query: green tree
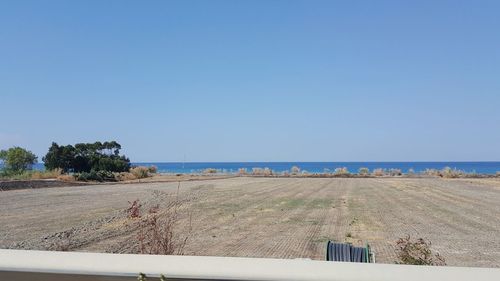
87,157
17,159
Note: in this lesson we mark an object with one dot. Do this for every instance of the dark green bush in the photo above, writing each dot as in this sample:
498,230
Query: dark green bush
99,176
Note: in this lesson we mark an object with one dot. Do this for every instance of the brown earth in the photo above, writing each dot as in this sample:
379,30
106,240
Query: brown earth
268,217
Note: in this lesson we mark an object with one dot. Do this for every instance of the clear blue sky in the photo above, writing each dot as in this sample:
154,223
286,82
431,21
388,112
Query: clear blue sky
254,80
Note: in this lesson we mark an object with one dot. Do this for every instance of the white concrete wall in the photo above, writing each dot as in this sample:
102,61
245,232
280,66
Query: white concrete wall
57,266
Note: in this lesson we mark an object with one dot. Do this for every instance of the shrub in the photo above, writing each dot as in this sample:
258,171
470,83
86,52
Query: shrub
267,172
364,171
152,169
158,231
52,174
140,172
395,172
210,171
379,172
257,171
67,178
431,172
125,176
134,211
448,172
295,170
417,252
341,171
99,176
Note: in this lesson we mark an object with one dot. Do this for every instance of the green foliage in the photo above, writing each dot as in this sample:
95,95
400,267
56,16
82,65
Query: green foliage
99,176
87,157
17,160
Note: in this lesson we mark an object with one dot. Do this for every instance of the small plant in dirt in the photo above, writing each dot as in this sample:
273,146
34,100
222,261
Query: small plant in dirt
395,172
158,232
159,229
363,171
341,171
140,172
417,252
378,172
134,211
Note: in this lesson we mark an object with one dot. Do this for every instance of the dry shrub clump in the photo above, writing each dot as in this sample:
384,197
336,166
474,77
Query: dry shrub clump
395,172
153,169
379,172
140,172
210,171
417,252
448,172
431,172
66,178
267,172
158,231
125,176
341,171
363,171
295,170
257,171
134,211
50,174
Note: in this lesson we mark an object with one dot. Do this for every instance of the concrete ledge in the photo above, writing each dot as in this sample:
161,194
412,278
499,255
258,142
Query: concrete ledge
43,265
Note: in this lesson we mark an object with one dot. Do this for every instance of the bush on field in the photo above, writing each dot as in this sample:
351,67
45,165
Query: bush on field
379,172
67,178
152,169
125,176
267,172
210,171
364,171
341,171
295,170
448,172
52,174
140,172
431,172
417,252
395,172
257,171
99,176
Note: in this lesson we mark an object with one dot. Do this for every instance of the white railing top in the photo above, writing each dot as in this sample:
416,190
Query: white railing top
44,265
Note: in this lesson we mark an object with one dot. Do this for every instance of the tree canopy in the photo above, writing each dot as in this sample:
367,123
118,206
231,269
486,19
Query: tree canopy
86,157
18,159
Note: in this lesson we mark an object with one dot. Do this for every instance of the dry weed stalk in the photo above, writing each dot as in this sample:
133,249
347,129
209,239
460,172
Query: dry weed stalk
417,253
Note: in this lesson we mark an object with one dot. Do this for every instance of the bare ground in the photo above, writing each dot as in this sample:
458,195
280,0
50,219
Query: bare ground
268,217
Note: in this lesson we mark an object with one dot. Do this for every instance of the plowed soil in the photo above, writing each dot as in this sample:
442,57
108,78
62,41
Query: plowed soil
268,217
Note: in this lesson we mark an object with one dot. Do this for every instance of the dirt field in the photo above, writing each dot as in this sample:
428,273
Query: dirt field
269,217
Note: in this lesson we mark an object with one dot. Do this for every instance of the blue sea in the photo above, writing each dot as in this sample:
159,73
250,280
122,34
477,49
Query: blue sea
320,167
316,167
